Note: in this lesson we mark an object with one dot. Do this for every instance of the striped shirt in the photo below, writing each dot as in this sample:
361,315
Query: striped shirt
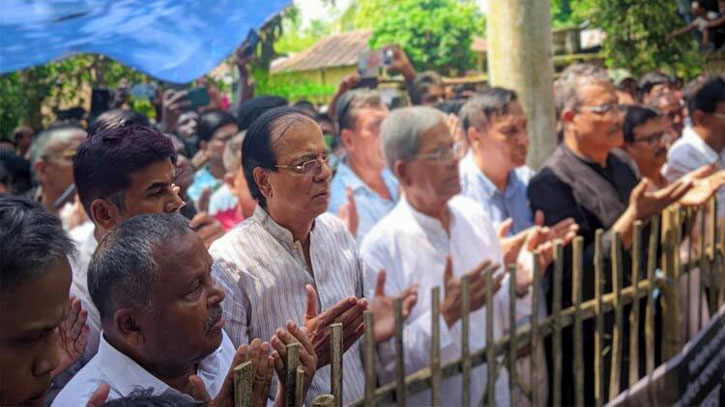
263,272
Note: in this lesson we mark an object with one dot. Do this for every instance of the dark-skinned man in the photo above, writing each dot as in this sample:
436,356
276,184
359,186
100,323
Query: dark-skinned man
150,279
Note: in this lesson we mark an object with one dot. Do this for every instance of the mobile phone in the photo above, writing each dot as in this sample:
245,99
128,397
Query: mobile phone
100,101
367,82
250,44
198,97
387,56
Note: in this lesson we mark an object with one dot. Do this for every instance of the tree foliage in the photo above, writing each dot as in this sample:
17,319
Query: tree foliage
636,32
436,34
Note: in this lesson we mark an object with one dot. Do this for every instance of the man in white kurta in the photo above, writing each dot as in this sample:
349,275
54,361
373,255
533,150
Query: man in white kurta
413,246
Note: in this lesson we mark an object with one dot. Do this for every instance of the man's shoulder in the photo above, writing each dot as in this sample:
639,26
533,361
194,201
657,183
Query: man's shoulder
390,226
80,388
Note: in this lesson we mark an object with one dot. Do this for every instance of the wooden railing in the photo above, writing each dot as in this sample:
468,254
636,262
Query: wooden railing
667,232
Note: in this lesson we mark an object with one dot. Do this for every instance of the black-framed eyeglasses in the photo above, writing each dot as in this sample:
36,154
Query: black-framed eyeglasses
444,153
604,109
308,168
653,138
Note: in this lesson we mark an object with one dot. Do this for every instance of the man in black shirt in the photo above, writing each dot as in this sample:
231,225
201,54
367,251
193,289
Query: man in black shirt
589,179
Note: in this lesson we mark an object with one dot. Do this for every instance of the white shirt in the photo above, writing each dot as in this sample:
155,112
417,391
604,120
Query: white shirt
689,153
263,272
412,248
124,375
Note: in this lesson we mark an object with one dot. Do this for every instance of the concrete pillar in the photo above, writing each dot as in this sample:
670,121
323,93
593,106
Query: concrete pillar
519,58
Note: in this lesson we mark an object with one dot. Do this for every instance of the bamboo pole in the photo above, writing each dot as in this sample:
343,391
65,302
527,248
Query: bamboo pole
556,312
465,337
649,328
243,378
512,351
490,355
299,388
535,330
324,400
614,384
578,336
435,348
336,362
369,357
634,310
290,365
703,265
599,338
400,393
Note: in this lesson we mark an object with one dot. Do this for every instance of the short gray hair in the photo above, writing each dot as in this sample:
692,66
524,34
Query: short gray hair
479,109
353,100
566,88
123,271
401,132
48,138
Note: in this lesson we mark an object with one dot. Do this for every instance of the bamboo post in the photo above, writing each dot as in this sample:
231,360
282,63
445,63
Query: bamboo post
720,261
324,400
490,356
299,388
290,365
689,222
703,264
535,330
614,383
671,335
649,328
465,350
556,311
243,379
634,310
711,255
336,362
369,356
512,350
435,348
400,390
578,335
599,320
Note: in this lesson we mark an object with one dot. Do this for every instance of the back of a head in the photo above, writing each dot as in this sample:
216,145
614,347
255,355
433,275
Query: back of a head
32,241
706,94
401,132
122,272
212,120
479,109
105,161
635,117
250,110
49,137
650,80
306,106
117,118
257,146
350,102
145,398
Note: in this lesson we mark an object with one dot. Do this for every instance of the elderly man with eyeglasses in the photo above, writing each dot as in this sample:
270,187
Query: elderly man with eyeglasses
434,236
51,157
590,179
293,261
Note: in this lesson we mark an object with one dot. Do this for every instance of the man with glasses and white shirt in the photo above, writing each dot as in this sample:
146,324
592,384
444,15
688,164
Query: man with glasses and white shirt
433,237
291,258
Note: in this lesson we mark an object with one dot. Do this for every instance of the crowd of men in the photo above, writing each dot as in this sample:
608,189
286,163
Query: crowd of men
149,259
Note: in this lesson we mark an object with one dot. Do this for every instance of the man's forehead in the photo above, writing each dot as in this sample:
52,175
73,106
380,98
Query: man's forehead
160,171
301,138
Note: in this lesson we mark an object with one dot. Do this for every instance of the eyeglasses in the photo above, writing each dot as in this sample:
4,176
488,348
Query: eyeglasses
604,109
66,155
653,139
308,168
444,153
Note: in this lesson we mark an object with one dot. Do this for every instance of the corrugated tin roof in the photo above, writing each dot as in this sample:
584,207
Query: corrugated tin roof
335,50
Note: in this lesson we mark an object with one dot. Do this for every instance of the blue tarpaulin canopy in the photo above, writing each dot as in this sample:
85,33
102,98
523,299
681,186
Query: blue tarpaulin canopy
172,40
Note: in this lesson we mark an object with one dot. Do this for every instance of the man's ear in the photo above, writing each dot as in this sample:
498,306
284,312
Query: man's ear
261,178
104,213
126,323
473,136
39,167
400,169
346,139
697,117
567,116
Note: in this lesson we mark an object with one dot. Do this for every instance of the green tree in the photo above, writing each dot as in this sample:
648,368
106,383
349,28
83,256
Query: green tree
436,34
